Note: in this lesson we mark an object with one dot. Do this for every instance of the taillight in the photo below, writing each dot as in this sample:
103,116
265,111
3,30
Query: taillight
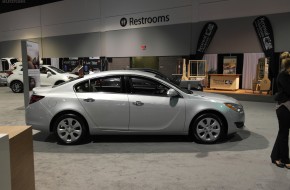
35,98
9,73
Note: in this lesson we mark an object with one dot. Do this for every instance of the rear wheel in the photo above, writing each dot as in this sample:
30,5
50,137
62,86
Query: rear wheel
207,128
16,86
70,129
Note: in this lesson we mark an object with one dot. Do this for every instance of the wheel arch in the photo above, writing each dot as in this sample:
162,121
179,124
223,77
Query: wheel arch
13,81
68,112
220,115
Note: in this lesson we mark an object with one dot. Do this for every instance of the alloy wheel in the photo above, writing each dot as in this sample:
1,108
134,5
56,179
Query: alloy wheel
17,87
208,129
69,130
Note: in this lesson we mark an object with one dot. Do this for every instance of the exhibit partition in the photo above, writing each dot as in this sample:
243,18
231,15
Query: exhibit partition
30,64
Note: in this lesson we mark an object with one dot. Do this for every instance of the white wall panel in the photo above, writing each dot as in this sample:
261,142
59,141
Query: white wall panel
175,15
159,41
126,7
70,11
224,9
25,33
87,26
21,19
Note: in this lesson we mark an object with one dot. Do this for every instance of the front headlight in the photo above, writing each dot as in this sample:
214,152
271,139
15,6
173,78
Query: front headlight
235,107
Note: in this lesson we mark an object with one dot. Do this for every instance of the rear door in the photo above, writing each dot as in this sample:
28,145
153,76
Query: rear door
105,102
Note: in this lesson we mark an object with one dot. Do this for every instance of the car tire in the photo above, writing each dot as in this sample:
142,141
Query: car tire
16,86
58,82
70,129
208,128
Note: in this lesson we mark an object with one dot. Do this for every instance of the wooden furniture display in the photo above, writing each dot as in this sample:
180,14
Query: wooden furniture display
192,73
21,157
261,82
224,81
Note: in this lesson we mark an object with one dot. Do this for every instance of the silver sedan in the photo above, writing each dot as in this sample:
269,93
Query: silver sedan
135,102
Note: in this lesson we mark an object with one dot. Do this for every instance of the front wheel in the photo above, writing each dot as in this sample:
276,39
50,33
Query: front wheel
70,129
16,86
207,128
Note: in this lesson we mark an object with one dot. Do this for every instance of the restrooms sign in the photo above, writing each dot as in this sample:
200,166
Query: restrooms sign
144,20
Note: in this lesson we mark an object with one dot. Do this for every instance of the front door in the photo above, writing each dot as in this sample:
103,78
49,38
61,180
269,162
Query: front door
152,110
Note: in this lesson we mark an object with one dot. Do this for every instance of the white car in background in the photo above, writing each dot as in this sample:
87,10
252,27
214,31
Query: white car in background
49,75
3,78
8,63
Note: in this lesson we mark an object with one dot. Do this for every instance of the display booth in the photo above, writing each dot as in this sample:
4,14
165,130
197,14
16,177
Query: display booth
193,73
224,81
261,82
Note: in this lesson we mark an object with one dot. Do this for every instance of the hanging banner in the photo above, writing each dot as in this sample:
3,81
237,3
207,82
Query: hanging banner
33,64
205,38
265,34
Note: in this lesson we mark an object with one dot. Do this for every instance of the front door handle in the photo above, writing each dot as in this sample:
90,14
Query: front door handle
89,100
138,103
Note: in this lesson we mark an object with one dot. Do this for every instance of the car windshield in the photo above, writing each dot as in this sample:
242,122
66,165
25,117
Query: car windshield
173,84
56,69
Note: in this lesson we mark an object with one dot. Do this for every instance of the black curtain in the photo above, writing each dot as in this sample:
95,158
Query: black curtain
239,69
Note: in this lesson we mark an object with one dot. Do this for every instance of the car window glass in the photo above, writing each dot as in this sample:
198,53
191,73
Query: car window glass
51,71
43,70
107,84
83,86
5,64
13,61
144,86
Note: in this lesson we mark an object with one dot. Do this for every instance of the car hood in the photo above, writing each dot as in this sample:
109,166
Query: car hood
212,97
70,75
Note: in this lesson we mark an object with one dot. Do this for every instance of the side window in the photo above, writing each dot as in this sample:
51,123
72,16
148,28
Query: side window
83,86
5,65
43,70
144,86
107,84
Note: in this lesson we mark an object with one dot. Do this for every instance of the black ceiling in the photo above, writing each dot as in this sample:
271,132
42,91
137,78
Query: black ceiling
12,5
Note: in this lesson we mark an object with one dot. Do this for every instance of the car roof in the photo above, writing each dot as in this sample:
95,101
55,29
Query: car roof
121,72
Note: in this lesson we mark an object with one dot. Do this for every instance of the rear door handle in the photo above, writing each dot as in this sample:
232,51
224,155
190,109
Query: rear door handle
89,100
138,103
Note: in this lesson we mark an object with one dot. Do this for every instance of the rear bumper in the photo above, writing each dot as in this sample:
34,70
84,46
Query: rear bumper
3,81
38,117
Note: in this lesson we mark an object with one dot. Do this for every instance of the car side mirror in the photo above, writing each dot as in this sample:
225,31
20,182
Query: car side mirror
171,93
48,74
